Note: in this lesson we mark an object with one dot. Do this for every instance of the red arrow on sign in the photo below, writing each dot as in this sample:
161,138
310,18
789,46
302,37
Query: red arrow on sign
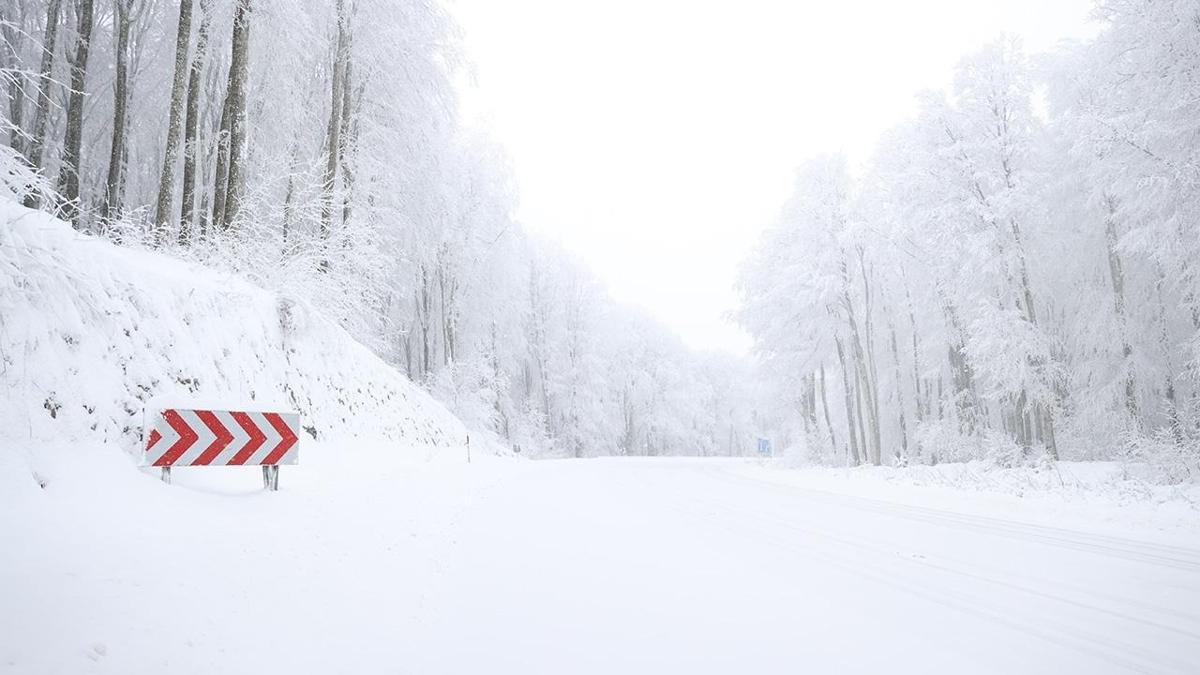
187,436
287,438
223,437
257,438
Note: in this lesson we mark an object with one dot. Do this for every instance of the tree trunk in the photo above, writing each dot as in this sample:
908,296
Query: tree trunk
231,183
864,443
870,444
191,126
848,391
921,404
425,307
116,157
290,195
349,132
1044,416
204,211
899,389
825,409
1116,273
808,402
1174,422
37,141
333,134
497,386
221,178
68,177
870,372
962,375
166,183
940,399
12,33
446,292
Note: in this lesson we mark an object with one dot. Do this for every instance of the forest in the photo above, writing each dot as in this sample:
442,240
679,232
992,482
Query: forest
1010,277
1013,274
317,149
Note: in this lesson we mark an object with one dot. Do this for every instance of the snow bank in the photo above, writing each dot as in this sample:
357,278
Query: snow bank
91,332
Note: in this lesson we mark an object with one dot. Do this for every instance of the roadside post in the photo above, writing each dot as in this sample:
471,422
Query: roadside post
187,437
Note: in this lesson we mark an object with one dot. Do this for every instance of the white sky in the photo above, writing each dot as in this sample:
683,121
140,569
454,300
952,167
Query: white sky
656,138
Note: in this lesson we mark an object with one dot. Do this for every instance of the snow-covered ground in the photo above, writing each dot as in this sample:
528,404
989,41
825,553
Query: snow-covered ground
372,560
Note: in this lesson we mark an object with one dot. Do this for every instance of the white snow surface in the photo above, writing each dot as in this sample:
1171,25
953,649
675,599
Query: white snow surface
91,334
370,561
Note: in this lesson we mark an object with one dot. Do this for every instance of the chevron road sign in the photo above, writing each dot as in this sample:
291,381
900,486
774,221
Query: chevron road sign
185,437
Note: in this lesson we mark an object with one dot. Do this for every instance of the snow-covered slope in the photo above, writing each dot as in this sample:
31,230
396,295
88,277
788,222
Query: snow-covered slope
90,332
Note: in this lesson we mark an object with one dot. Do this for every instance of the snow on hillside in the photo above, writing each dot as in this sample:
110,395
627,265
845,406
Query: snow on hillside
91,332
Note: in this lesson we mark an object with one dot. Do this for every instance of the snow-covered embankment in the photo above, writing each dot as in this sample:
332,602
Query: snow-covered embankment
90,332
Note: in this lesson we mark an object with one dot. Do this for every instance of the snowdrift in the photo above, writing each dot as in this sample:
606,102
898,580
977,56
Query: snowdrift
90,332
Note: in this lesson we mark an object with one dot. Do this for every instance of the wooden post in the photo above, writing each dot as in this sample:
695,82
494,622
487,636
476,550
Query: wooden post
166,475
468,448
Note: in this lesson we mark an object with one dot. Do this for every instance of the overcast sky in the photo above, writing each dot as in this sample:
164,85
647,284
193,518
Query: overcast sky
656,138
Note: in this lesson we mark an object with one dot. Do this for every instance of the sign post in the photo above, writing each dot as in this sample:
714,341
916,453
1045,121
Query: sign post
186,437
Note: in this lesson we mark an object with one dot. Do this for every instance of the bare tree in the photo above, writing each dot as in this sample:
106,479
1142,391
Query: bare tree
191,126
232,137
166,183
116,158
333,136
13,35
848,392
37,140
825,408
68,178
349,133
1116,270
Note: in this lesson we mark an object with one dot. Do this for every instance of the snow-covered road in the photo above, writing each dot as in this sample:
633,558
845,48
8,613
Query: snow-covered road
603,566
676,566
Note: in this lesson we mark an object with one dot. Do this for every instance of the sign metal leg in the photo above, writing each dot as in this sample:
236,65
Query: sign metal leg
271,478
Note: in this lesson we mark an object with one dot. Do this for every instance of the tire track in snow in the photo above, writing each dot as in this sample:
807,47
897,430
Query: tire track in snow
1178,557
863,557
